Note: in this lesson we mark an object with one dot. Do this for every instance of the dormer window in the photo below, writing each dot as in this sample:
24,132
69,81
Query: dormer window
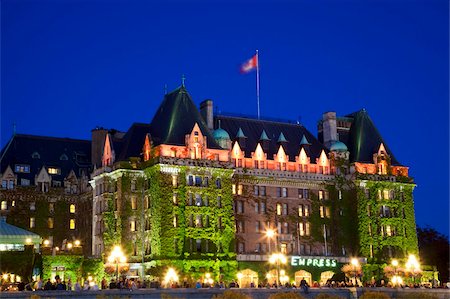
54,170
23,168
63,157
196,136
35,155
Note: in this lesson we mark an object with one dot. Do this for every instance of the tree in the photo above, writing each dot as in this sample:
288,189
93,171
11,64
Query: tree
434,249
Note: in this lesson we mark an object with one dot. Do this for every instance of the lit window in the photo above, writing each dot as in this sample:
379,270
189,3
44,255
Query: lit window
72,208
301,228
72,224
320,194
278,208
22,168
285,209
175,181
174,221
175,198
50,222
13,204
233,188
307,229
132,225
322,212
306,210
51,207
53,170
198,221
32,222
198,200
133,203
284,192
300,210
385,194
239,191
4,205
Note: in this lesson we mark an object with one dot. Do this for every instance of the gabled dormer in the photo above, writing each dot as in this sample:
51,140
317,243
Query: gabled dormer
9,179
382,160
302,160
281,159
196,143
237,155
323,163
109,156
43,180
264,141
146,150
71,183
241,138
259,157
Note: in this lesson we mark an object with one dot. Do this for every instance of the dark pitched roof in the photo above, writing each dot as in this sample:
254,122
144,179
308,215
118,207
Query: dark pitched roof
175,118
364,139
21,147
132,142
252,128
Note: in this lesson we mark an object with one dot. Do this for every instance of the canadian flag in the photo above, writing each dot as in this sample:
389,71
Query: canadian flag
250,64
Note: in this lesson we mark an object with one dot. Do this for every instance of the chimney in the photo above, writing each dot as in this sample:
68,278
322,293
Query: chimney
97,144
206,111
329,128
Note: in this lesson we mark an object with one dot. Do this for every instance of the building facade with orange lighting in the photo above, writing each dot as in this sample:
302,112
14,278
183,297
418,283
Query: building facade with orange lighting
201,192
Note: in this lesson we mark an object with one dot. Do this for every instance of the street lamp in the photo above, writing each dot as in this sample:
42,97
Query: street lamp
355,264
278,258
171,276
77,243
413,266
117,257
270,233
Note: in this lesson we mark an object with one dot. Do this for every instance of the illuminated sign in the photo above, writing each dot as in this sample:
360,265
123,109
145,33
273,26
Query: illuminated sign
313,262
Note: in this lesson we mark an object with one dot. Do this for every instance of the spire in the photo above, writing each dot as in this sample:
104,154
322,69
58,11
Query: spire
264,136
240,134
281,138
183,78
304,141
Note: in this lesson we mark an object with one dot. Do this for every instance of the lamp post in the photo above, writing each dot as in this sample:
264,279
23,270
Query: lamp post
413,266
355,264
116,256
270,233
278,259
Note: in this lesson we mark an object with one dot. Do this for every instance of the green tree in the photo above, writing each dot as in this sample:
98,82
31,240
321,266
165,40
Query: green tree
434,249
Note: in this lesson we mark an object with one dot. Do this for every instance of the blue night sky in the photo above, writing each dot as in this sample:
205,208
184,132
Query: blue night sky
69,66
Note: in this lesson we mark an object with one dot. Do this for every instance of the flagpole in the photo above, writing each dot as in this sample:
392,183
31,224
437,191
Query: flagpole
257,80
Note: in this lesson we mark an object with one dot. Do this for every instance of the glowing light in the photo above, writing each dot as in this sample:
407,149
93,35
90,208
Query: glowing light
270,233
77,242
69,246
28,240
171,276
90,278
46,242
57,248
355,262
394,263
5,276
240,275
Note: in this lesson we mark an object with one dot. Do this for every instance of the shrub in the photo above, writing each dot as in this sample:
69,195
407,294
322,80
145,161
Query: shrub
290,295
328,296
231,295
374,295
417,296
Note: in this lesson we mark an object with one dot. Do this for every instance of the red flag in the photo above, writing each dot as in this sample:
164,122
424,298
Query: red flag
250,64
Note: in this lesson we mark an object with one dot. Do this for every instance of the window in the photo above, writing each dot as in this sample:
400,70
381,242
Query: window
175,181
307,211
24,182
278,209
51,207
133,202
284,192
63,157
303,193
54,170
133,185
4,184
322,212
32,206
4,205
385,194
205,181
262,207
321,194
240,227
307,229
198,180
300,210
388,230
50,222
327,212
256,207
239,191
285,228
301,228
22,168
10,184
198,200
72,208
262,190
279,227
257,226
241,247
198,221
13,204
283,248
190,197
56,183
72,224
233,188
190,180
256,190
175,198
239,207
285,209
32,222
218,183
133,225
174,221
198,244
278,191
